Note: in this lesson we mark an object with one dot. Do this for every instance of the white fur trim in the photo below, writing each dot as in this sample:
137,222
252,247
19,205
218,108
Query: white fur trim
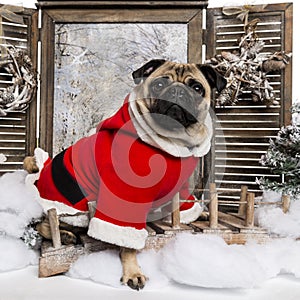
128,237
187,216
179,143
75,217
41,156
80,220
190,215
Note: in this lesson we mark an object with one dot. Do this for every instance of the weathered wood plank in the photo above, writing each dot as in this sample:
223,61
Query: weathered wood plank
140,15
56,261
231,221
54,228
243,198
203,226
238,224
164,228
195,38
127,4
249,219
175,216
242,238
47,83
213,206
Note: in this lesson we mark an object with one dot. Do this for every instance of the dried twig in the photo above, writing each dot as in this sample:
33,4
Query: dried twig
246,69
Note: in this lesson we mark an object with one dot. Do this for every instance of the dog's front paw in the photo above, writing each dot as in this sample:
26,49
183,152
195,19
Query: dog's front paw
132,274
136,281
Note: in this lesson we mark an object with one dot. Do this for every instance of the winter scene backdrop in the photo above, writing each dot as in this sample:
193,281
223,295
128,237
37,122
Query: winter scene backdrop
94,64
193,266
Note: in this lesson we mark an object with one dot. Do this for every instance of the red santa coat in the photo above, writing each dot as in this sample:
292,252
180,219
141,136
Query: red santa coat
126,177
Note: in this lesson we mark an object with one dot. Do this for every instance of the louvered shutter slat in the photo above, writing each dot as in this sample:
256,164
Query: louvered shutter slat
16,127
242,132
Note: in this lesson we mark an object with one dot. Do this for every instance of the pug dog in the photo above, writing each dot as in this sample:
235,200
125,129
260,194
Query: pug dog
137,160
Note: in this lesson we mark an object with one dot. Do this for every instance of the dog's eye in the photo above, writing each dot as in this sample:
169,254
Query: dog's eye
159,85
198,88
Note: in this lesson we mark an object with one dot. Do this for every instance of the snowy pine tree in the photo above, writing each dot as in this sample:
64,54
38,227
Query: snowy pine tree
283,158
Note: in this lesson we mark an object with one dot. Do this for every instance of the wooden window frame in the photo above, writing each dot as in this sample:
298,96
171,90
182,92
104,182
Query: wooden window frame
31,18
183,12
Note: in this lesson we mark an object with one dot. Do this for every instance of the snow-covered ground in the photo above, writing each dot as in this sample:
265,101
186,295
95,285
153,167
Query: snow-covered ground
191,265
25,285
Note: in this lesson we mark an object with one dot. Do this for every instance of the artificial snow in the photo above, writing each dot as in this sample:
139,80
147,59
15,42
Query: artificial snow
199,260
277,222
190,259
15,254
3,158
17,209
207,261
105,267
17,204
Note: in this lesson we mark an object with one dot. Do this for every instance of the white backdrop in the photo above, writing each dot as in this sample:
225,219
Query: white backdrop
218,3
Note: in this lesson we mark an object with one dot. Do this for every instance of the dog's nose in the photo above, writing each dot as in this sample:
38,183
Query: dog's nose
177,92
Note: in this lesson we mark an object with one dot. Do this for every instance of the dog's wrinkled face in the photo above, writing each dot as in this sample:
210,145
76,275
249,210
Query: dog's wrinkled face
176,95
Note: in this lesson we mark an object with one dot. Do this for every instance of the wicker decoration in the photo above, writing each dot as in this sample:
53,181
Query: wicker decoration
16,97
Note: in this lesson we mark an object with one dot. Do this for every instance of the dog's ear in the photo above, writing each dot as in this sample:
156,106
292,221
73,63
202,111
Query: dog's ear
147,69
214,78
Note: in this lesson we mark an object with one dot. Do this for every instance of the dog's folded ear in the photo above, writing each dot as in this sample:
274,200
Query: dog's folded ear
214,78
146,69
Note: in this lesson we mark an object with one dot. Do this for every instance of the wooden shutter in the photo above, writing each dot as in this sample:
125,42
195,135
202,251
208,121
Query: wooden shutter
242,132
18,129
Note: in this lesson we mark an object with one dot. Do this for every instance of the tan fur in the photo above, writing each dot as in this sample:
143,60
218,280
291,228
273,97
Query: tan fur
132,274
182,73
29,164
67,237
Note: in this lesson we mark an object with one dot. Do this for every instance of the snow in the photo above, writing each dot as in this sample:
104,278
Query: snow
3,158
17,205
202,261
277,222
17,209
25,285
94,266
15,254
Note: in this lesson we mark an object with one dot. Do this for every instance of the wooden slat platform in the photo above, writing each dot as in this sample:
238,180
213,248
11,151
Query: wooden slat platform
230,227
234,228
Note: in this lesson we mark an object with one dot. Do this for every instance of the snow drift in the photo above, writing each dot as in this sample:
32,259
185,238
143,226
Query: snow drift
196,260
199,260
17,209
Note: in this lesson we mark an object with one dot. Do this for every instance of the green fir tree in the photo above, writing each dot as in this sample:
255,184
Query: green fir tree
283,158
